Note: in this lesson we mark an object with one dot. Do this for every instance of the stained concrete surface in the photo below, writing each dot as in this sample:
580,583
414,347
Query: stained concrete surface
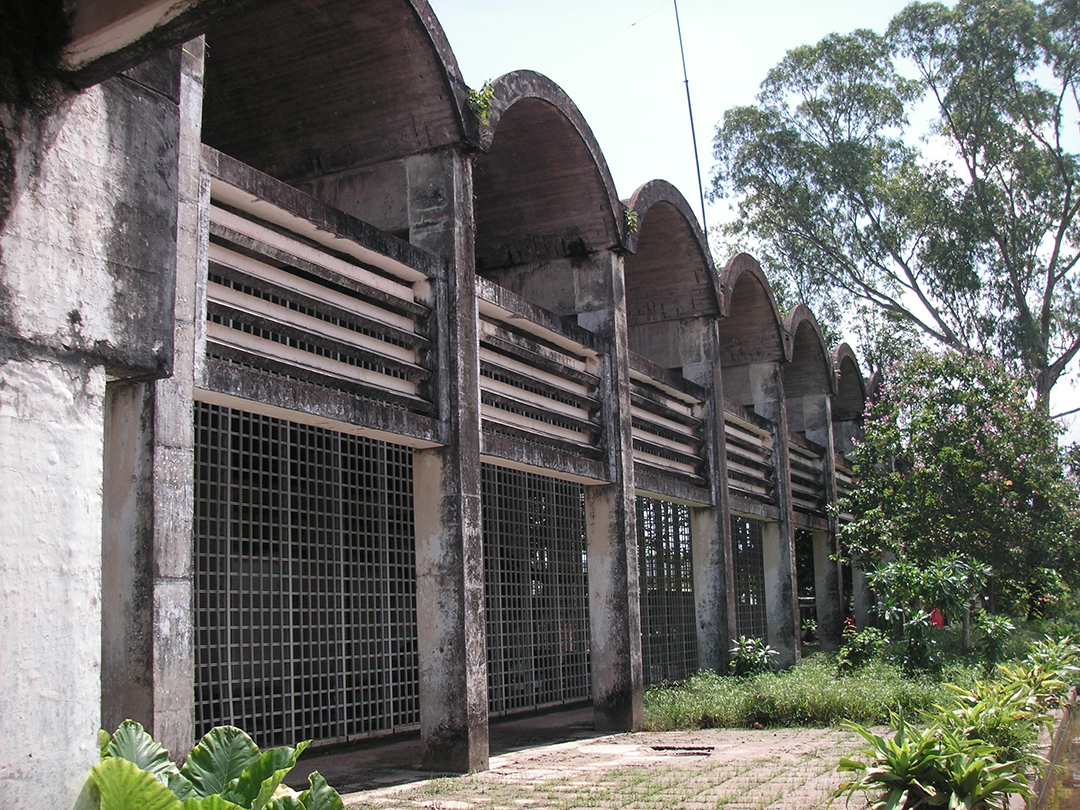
557,760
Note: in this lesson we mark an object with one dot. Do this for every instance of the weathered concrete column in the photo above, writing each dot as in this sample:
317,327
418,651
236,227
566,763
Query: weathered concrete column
710,527
762,386
828,582
828,595
446,481
148,662
610,516
51,413
87,266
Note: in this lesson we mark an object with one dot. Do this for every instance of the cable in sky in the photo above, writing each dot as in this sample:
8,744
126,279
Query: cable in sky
690,108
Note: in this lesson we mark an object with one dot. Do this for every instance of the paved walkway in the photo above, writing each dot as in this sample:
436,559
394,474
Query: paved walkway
717,768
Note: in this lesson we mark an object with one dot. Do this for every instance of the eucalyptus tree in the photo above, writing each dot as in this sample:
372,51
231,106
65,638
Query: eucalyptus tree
931,172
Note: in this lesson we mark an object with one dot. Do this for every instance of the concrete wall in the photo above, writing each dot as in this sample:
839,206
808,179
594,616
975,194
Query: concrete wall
87,261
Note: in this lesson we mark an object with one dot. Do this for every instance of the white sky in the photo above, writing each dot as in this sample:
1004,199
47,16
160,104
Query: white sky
619,62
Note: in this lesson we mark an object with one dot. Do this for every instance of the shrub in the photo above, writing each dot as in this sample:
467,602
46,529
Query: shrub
810,694
751,656
860,648
225,771
995,634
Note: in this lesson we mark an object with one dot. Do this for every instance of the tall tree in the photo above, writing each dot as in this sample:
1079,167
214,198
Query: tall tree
955,461
967,227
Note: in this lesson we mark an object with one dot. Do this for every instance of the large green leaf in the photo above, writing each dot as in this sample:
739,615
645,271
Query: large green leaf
219,758
123,785
133,743
210,803
320,796
260,779
180,785
286,803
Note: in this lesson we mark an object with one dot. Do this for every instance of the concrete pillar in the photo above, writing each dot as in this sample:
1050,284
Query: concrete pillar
763,388
610,518
446,481
88,207
828,581
828,596
710,527
51,416
862,598
148,660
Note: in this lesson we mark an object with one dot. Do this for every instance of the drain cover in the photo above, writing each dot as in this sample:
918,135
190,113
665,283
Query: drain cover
683,750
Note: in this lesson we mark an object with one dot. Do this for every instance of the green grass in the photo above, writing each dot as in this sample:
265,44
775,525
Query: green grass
809,695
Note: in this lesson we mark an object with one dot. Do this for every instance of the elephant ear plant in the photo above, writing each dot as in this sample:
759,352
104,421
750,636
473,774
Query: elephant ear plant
225,771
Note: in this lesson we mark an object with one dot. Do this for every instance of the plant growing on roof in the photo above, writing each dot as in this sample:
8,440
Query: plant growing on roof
480,102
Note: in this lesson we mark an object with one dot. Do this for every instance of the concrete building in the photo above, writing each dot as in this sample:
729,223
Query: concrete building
330,408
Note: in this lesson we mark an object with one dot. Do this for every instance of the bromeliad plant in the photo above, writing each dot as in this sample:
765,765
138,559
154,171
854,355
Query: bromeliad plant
225,771
974,754
928,768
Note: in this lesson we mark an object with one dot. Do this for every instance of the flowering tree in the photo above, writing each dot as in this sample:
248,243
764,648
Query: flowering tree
957,461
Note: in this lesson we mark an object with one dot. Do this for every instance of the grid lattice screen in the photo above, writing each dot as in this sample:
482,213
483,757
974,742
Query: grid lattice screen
305,601
748,554
536,591
668,619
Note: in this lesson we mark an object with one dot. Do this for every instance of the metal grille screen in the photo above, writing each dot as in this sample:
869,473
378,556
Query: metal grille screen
305,601
668,619
748,554
536,591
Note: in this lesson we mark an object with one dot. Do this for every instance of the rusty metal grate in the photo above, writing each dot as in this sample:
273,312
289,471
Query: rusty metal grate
668,618
749,559
536,591
305,592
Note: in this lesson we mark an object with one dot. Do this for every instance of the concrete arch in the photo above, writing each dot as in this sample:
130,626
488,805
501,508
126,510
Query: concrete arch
385,85
542,186
750,328
850,400
810,370
670,272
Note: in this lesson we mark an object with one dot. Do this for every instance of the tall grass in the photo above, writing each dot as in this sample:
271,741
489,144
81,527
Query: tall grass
809,695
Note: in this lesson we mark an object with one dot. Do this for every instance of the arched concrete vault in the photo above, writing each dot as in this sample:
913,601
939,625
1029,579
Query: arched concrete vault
750,328
850,397
810,370
669,272
542,186
808,378
301,89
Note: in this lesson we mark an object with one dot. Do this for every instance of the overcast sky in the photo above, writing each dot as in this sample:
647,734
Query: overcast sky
619,62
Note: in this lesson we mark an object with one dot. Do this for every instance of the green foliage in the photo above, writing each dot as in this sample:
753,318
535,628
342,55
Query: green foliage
480,102
810,694
859,649
630,216
955,459
966,229
995,635
225,771
932,767
751,656
974,752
